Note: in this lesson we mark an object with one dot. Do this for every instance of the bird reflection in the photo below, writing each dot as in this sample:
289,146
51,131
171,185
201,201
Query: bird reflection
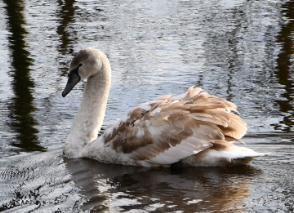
121,188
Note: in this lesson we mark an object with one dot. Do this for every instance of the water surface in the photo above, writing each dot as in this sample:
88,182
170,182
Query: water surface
238,50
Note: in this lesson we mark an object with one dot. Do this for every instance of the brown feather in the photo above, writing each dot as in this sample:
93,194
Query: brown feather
171,121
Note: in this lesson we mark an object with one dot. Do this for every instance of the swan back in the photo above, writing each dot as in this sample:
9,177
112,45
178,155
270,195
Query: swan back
172,128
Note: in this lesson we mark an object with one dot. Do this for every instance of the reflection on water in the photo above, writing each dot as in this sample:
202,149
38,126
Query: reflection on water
21,108
285,69
66,15
122,188
72,185
240,50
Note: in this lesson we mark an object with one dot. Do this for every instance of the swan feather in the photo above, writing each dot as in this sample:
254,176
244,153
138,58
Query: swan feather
166,131
193,128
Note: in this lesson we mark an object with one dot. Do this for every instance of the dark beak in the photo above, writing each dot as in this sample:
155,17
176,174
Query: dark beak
73,79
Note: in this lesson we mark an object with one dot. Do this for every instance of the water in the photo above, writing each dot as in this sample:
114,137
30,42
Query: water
238,50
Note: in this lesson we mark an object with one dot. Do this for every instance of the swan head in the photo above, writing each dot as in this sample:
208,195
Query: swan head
86,63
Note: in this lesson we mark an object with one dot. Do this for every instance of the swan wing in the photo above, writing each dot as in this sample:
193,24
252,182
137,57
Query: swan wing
171,128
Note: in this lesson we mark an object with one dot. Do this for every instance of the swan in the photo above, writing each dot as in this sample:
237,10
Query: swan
192,129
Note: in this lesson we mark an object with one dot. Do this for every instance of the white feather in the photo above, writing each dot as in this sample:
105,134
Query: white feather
155,111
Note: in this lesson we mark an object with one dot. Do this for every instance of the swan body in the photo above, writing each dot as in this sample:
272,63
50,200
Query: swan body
193,129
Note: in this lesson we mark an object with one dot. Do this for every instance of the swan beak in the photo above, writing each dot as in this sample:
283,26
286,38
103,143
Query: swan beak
73,79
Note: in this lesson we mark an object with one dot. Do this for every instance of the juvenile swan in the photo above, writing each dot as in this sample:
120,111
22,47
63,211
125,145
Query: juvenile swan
191,129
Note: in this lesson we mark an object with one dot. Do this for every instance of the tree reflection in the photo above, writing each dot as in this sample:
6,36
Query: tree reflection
21,108
285,66
66,15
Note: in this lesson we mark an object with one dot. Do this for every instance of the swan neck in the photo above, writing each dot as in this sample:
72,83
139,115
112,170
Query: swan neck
91,112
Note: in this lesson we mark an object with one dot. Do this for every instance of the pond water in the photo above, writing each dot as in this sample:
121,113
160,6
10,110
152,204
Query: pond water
239,50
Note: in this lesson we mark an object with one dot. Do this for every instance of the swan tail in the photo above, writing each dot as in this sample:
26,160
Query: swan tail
222,154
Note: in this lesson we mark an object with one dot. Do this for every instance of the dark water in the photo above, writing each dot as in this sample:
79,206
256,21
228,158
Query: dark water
238,50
